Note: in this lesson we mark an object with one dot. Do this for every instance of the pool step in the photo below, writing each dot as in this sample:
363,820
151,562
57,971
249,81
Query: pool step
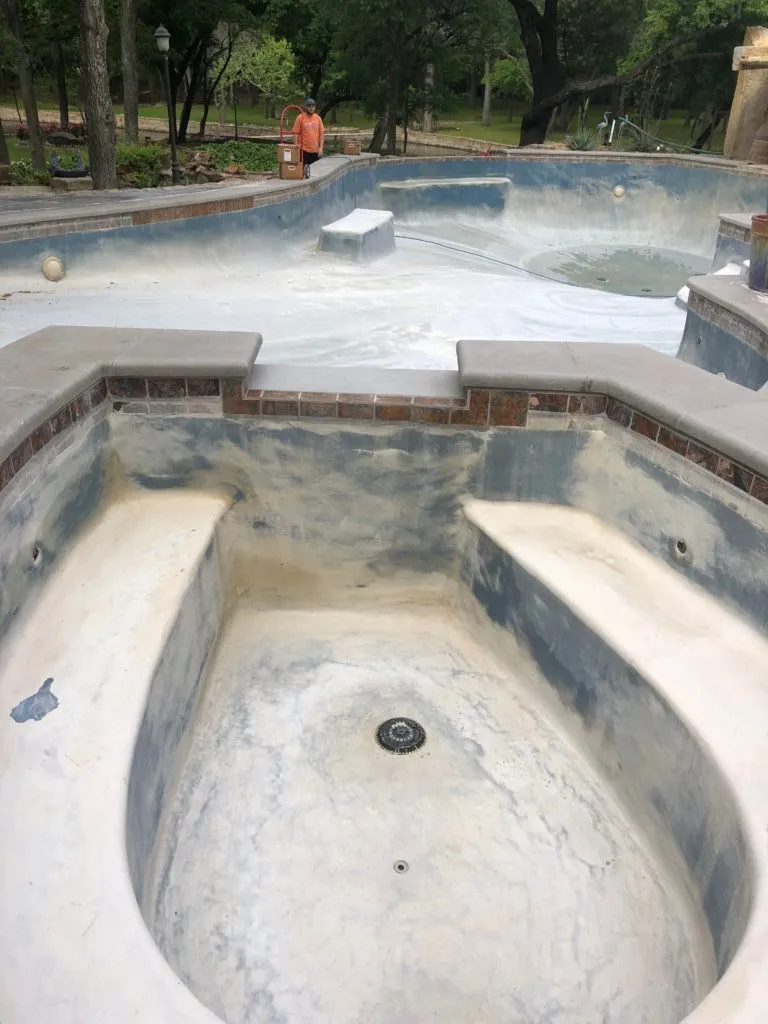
124,622
670,687
362,234
414,195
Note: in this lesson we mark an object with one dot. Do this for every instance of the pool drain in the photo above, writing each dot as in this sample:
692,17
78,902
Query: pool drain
400,866
400,735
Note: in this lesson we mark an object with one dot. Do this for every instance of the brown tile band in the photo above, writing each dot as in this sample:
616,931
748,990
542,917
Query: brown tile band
69,414
480,408
183,211
729,230
737,326
483,408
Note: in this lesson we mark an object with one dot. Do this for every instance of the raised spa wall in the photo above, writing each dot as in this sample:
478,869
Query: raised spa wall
343,485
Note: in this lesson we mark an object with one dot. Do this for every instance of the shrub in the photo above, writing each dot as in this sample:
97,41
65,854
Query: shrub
50,128
22,173
140,166
583,140
253,156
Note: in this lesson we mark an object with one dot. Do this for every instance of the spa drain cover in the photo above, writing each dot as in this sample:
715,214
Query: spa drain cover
400,735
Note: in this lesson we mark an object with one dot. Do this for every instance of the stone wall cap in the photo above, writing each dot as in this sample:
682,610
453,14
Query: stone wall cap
42,372
730,418
734,295
110,204
739,220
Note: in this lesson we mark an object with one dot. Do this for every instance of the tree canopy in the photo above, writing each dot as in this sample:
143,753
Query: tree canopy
396,59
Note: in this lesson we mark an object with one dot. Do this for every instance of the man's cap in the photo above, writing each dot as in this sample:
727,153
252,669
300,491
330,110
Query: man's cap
309,102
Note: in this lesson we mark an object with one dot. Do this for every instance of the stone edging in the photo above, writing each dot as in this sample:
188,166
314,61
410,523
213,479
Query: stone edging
165,205
730,227
737,326
481,408
174,205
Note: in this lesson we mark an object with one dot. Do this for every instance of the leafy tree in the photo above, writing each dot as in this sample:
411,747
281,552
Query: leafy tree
511,79
12,12
666,33
268,64
311,27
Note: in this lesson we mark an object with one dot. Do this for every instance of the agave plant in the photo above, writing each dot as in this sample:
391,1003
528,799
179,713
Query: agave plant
584,139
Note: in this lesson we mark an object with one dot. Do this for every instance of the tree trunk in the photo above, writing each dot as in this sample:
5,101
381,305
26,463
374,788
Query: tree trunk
539,35
98,102
61,85
428,123
195,67
26,82
487,94
472,89
379,135
385,132
5,156
710,128
129,60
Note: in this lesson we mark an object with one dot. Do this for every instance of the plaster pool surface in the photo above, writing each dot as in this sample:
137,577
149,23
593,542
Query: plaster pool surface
451,277
528,892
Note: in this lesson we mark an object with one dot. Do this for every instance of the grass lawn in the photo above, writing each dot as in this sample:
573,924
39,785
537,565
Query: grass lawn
462,121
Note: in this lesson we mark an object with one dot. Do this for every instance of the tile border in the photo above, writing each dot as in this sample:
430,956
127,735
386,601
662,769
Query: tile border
68,415
737,326
479,409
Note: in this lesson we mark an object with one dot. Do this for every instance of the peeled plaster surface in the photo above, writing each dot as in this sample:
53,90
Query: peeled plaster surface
700,659
405,310
529,894
75,950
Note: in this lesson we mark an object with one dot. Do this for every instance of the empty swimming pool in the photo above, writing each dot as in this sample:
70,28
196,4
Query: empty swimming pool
526,249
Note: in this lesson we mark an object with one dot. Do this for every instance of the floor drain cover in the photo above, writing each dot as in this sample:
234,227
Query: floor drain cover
400,735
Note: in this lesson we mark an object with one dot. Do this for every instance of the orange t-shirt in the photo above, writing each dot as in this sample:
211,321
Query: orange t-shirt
310,132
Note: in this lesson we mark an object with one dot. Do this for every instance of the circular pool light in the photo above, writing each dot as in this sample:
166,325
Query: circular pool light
53,268
400,735
619,191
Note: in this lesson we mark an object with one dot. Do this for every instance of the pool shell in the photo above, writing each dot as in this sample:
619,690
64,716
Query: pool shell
619,474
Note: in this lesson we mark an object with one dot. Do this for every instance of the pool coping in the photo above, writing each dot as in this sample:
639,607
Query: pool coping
54,377
69,215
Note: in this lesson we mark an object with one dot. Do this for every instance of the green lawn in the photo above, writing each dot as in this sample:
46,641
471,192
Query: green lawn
463,121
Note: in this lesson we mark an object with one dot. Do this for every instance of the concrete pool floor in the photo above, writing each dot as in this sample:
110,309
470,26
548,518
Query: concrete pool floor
407,310
530,895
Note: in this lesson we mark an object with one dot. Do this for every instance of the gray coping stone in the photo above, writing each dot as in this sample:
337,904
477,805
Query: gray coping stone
356,380
734,295
739,220
44,371
730,418
110,203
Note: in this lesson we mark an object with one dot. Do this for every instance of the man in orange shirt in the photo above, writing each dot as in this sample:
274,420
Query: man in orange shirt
309,133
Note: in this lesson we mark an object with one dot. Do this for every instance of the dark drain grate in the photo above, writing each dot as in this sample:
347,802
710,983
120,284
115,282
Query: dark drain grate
400,735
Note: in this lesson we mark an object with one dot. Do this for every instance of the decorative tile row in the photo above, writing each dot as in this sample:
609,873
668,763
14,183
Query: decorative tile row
163,387
738,231
724,320
183,211
480,408
706,458
71,413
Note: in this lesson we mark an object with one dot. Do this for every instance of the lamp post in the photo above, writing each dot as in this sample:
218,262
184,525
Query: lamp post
163,40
